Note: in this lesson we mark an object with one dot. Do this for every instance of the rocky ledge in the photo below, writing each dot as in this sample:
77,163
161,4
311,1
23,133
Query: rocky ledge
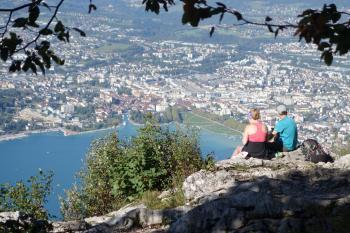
241,195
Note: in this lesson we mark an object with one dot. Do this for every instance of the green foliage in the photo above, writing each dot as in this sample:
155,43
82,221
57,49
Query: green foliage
117,173
324,29
154,5
171,114
29,198
36,48
209,163
94,196
327,28
175,198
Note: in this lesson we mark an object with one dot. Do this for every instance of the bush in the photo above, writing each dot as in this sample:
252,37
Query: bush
28,198
118,173
94,194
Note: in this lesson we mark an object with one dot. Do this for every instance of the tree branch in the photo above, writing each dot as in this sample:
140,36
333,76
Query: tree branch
46,27
7,24
287,25
16,8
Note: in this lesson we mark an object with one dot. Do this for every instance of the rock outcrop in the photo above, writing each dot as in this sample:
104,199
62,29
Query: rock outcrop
279,195
243,195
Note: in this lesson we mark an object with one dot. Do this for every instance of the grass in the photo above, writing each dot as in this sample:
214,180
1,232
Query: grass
194,119
151,200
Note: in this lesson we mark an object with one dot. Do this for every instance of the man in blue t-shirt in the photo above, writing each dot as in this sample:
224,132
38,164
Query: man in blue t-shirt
285,132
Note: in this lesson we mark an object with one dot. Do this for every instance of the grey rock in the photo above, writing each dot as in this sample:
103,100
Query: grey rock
207,184
343,162
6,216
284,194
69,226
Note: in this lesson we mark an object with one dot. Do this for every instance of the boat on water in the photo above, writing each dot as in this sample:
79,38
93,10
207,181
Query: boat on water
67,132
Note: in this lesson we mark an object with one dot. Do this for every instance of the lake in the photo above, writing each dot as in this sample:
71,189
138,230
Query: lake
64,155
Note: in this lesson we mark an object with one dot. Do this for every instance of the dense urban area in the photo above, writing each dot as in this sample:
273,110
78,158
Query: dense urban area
128,65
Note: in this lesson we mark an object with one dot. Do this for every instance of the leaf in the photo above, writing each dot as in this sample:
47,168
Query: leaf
92,7
333,7
13,67
34,13
221,4
268,19
211,31
82,33
221,16
323,45
270,28
304,21
47,60
44,45
67,36
27,64
238,15
18,64
276,33
328,57
307,12
20,22
165,6
40,64
33,24
45,5
335,17
59,27
45,31
4,53
61,37
57,60
33,68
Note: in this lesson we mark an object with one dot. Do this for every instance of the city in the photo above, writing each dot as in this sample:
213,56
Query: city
116,70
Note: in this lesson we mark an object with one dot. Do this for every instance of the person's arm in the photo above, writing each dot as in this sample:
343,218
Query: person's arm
245,135
266,133
274,136
275,133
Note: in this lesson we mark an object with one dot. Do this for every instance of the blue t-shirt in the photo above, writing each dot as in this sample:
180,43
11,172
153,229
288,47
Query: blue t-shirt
288,132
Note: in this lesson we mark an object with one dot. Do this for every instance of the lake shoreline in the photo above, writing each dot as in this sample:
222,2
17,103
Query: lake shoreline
66,133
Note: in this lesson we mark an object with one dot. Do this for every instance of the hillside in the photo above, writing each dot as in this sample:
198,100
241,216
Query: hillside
242,195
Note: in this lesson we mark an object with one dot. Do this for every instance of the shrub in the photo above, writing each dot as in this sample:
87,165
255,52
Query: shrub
117,173
29,198
93,196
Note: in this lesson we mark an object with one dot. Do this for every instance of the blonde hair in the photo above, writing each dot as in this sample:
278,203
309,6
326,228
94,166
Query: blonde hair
255,113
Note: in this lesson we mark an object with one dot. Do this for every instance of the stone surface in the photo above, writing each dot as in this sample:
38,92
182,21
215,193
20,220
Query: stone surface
343,162
206,184
8,216
70,226
286,194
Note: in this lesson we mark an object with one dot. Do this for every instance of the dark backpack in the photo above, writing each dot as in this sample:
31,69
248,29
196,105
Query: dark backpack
314,152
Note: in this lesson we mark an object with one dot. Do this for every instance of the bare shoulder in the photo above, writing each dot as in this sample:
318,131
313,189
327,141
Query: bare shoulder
247,128
264,127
